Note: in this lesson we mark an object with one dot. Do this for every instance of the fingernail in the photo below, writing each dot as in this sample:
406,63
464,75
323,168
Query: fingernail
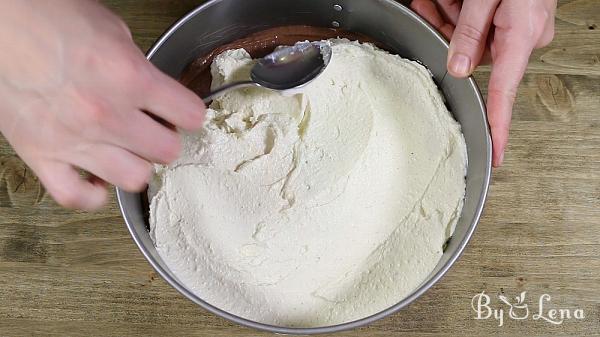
460,64
501,159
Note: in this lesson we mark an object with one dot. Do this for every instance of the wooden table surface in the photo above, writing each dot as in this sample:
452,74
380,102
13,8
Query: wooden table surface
74,273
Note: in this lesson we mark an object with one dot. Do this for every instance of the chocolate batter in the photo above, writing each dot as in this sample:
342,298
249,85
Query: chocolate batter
197,75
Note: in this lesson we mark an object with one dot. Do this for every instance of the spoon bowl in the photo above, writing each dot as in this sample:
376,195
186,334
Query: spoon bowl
292,67
286,68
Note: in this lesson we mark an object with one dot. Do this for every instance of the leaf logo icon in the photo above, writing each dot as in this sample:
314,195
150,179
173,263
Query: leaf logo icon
521,298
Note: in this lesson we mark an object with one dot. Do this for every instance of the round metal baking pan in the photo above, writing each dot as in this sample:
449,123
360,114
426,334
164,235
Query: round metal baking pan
218,22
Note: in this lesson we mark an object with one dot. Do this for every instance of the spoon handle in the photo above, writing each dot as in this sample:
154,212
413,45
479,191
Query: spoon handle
231,86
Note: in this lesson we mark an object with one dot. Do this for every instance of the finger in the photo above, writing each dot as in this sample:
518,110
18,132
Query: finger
450,9
115,165
548,32
147,138
510,55
428,10
470,36
171,101
547,36
65,185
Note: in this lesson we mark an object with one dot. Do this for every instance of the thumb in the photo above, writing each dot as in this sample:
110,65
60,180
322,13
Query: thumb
470,36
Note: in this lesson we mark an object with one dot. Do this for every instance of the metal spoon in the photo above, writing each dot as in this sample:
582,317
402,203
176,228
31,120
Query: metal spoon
286,68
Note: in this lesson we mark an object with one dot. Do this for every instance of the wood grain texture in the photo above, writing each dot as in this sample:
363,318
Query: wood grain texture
74,273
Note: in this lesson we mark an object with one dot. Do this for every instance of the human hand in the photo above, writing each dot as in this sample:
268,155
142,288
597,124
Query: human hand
76,93
507,31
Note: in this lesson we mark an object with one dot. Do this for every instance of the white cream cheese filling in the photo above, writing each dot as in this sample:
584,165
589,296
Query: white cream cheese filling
318,208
